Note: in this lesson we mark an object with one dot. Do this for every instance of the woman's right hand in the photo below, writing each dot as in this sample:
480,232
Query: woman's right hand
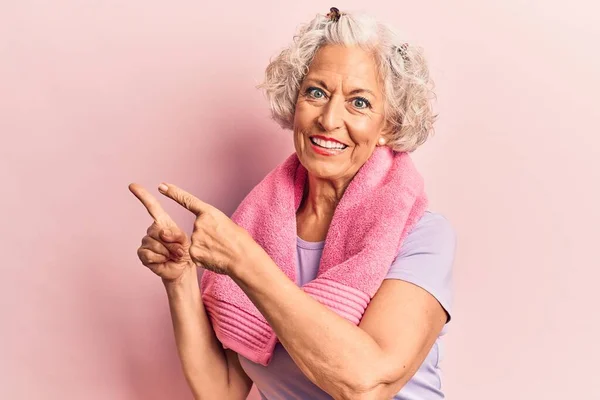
165,248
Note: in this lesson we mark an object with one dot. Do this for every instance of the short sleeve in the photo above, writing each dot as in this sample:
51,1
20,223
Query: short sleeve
426,257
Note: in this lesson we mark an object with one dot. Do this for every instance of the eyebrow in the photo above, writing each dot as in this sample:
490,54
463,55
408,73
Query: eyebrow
354,91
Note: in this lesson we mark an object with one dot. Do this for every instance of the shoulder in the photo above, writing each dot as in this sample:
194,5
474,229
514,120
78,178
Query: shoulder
433,233
426,257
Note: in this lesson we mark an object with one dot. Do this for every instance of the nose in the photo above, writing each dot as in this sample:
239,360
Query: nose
333,112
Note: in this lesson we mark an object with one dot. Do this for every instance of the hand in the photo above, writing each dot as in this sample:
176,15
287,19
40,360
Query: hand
218,243
165,248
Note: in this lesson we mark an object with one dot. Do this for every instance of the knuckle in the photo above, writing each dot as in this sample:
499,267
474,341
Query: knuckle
208,216
205,219
196,252
186,200
142,255
151,229
154,231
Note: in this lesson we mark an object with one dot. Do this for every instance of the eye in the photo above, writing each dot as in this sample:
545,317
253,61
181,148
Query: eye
315,92
361,102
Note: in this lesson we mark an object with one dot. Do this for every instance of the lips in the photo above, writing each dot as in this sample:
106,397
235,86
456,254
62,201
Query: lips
325,151
327,139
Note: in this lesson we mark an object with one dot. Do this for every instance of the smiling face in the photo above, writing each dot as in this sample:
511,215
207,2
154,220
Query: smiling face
339,116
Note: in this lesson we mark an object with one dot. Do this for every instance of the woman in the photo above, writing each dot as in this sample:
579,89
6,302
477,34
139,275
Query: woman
357,101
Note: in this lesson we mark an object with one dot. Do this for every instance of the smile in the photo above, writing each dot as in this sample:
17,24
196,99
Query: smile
327,144
326,147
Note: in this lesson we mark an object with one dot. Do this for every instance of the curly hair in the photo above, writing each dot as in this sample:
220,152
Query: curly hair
407,87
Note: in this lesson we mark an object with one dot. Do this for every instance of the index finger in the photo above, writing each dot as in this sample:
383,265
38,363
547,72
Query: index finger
184,198
152,205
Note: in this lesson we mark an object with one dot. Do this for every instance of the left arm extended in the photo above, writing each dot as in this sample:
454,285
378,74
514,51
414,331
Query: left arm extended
373,360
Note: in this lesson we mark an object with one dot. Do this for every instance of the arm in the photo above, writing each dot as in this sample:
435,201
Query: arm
347,361
211,372
370,361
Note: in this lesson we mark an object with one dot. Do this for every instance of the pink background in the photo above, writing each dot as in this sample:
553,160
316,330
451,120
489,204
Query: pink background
97,94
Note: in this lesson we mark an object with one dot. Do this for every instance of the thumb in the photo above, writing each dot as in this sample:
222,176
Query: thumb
173,236
175,242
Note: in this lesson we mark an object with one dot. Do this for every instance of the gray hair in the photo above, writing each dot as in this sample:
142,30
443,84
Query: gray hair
403,69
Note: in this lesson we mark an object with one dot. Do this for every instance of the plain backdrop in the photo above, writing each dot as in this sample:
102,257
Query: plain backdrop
97,94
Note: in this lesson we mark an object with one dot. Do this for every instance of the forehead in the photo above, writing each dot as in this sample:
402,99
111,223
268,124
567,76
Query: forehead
353,65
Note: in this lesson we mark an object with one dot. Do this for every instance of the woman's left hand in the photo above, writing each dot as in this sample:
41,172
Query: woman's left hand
217,243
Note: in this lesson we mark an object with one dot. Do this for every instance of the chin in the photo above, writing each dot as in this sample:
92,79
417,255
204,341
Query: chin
320,169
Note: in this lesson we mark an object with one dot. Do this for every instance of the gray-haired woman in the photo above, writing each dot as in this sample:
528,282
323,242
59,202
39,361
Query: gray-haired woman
353,93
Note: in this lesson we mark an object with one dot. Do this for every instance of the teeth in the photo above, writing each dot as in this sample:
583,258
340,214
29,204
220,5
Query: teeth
327,144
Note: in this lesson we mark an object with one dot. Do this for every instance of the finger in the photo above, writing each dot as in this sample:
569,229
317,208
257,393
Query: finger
173,250
184,198
166,235
150,257
175,236
170,235
154,230
151,204
156,246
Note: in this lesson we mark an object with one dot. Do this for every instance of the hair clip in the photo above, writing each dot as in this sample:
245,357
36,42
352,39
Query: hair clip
333,14
402,49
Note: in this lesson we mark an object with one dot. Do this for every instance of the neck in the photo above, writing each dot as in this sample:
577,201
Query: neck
321,197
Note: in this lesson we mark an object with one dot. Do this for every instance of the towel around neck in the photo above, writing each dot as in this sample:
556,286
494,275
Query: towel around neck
380,206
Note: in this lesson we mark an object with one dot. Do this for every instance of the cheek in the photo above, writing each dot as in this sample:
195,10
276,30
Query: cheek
365,131
303,113
302,123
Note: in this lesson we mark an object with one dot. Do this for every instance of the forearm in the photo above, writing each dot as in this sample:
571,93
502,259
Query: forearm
332,352
202,356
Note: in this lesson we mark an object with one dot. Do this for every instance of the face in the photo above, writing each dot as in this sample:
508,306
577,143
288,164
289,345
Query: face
339,113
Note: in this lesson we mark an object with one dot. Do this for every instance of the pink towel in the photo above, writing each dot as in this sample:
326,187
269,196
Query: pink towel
380,206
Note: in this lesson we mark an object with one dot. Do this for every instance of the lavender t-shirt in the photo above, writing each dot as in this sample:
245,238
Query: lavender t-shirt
425,259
